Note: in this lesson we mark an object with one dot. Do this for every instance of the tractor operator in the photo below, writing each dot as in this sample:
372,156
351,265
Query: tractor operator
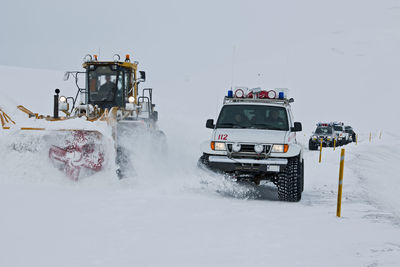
106,91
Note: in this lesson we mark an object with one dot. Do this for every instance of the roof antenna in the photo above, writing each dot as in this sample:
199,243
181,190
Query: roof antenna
233,65
259,80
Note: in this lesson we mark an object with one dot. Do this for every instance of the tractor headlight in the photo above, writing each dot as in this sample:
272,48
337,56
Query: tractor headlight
258,149
280,148
62,99
131,99
220,146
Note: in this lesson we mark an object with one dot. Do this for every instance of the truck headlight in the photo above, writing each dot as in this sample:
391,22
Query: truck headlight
280,148
220,146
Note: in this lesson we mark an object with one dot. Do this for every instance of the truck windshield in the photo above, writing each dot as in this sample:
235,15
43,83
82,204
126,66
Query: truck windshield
323,130
254,117
338,128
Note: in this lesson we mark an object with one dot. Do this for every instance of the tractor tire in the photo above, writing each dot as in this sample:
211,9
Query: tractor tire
291,181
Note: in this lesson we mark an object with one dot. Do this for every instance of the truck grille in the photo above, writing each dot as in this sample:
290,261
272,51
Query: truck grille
247,151
247,148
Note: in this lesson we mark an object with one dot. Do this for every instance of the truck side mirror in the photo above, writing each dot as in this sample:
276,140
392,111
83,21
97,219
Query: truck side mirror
66,76
297,127
210,124
142,76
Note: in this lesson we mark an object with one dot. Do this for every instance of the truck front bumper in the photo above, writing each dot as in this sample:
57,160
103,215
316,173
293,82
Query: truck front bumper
244,165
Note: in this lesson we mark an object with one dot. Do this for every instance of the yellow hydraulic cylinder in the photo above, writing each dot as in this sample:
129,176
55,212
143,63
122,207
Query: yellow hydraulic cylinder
320,151
339,199
334,144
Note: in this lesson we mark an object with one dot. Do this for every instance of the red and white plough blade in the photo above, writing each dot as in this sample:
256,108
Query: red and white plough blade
81,152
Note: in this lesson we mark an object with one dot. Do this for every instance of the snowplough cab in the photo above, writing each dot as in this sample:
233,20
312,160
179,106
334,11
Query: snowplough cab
83,134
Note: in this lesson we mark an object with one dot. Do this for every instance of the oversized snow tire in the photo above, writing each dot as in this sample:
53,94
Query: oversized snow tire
302,175
290,182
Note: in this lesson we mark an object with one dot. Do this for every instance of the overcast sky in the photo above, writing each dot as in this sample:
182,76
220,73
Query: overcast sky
57,34
322,49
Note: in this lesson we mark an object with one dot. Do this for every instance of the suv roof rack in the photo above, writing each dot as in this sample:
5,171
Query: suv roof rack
258,100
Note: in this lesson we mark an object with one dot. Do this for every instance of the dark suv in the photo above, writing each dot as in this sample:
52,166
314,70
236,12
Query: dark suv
324,132
352,135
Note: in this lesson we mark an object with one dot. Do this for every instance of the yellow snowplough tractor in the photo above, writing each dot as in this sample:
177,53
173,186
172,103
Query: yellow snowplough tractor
110,105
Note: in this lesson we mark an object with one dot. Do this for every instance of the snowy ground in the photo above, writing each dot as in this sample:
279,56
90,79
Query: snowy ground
170,213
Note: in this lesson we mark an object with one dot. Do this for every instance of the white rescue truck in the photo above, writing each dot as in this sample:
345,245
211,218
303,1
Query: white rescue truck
254,139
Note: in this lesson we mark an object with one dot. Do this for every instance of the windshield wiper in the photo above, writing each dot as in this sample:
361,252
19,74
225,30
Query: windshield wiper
227,125
276,128
262,125
267,126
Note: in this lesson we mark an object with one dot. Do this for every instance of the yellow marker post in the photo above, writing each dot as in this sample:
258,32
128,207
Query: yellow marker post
339,199
380,135
320,151
370,136
334,144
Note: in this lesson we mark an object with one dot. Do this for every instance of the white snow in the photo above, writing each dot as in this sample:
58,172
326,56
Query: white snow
340,61
171,213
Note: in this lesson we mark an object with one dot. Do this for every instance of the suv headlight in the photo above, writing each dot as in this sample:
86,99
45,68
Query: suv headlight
329,138
314,137
220,146
280,148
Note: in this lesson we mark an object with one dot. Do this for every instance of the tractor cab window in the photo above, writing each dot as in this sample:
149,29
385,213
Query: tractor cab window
108,86
102,84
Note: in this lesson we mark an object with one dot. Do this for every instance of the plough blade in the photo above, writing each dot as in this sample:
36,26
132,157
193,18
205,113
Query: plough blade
81,151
